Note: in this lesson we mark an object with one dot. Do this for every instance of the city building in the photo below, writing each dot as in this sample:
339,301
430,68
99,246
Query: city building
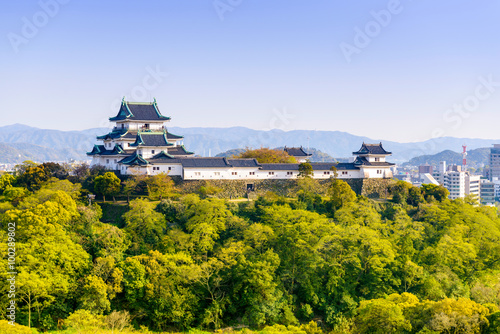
458,182
494,170
140,143
487,192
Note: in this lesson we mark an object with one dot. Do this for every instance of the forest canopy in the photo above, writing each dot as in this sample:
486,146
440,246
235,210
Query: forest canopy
162,259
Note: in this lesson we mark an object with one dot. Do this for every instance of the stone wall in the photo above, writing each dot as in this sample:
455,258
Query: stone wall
372,188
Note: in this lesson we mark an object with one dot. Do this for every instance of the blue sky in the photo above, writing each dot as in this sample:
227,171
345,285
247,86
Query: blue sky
395,70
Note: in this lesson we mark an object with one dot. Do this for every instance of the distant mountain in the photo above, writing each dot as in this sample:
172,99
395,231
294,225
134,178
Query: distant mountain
212,141
231,153
18,152
334,143
475,158
21,142
317,155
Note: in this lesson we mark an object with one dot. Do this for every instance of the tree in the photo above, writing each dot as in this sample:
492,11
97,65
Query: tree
21,168
55,170
49,263
432,191
305,170
94,296
381,316
6,180
15,194
159,285
400,192
266,155
205,220
160,186
33,177
340,194
145,225
107,184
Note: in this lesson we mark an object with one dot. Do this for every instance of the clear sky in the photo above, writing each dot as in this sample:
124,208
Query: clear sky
397,70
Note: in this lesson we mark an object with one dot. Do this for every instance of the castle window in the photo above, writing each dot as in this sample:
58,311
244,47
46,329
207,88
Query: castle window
271,173
251,173
216,173
326,173
152,151
344,173
169,168
197,173
234,173
107,161
377,159
289,173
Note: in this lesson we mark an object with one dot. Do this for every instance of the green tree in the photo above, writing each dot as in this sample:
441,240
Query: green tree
160,186
381,316
431,191
266,155
94,296
340,193
159,285
145,225
6,181
107,184
305,170
49,263
33,178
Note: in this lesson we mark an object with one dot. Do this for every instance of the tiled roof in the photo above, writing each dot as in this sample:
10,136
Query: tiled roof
204,162
97,149
280,166
296,152
362,161
139,112
243,163
134,159
172,136
101,150
151,139
115,151
117,134
372,149
179,150
315,166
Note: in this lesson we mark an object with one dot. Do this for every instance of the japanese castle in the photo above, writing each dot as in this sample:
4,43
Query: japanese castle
140,143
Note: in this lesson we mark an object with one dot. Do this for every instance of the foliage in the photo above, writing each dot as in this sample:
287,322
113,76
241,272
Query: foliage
304,251
160,186
144,224
305,170
267,155
107,184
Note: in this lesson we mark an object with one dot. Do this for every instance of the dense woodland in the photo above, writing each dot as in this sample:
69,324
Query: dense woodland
172,261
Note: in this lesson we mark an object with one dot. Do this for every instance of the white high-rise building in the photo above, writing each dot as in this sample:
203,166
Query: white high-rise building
459,183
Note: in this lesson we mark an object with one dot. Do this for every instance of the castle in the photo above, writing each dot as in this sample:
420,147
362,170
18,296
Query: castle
140,143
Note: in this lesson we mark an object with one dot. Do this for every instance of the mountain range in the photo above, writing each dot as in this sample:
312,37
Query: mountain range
475,158
19,142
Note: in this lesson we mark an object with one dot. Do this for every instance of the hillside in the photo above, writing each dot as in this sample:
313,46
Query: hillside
212,141
18,152
317,155
475,158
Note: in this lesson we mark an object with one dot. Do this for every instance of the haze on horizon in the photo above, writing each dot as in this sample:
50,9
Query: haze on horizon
395,70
